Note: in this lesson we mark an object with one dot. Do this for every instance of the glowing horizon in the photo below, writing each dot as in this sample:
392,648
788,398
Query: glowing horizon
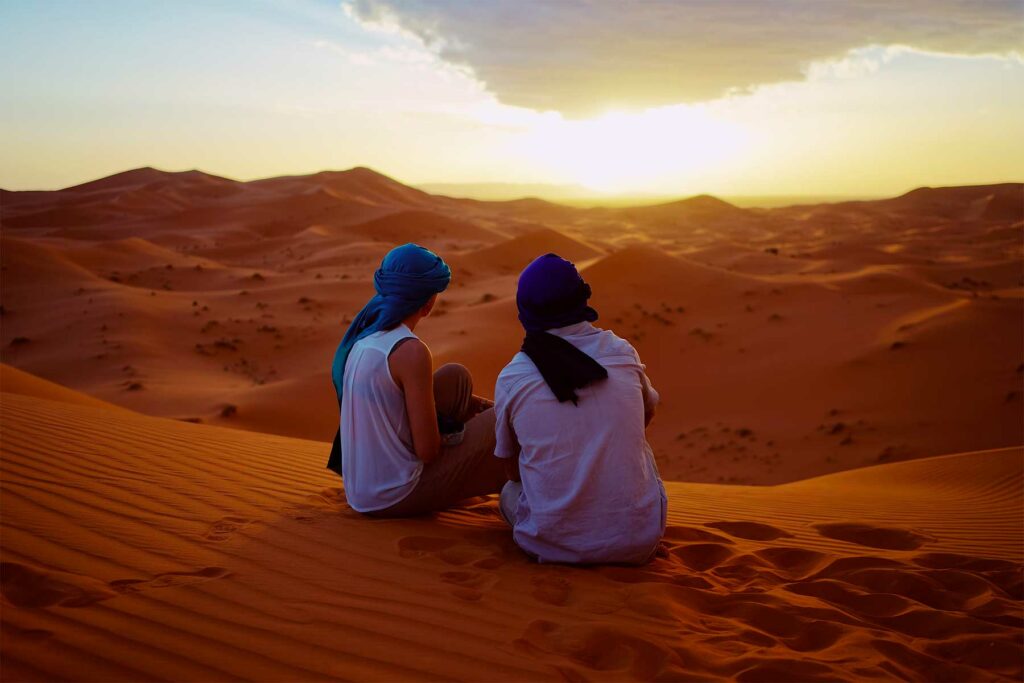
276,88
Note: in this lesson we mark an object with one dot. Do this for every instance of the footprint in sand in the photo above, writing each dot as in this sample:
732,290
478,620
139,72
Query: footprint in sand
871,536
476,551
969,563
168,579
334,496
751,531
224,528
702,556
479,551
330,502
665,569
553,590
852,599
689,534
793,562
697,549
800,628
469,586
595,647
1004,575
26,586
941,581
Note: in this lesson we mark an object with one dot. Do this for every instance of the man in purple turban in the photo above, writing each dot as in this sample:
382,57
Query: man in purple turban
571,411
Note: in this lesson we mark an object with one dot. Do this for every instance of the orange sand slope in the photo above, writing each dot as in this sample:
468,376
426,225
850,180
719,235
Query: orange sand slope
15,381
136,548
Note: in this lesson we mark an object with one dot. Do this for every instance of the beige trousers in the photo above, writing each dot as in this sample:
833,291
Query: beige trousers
463,471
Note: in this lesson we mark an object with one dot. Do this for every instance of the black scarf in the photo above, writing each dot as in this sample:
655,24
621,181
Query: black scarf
564,367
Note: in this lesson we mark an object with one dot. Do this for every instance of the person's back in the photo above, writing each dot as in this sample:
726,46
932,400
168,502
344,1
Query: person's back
590,488
571,412
378,461
393,406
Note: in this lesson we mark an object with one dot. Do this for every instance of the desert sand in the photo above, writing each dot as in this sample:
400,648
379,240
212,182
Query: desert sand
841,434
787,342
141,548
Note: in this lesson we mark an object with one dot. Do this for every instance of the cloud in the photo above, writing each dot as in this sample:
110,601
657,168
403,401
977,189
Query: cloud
581,57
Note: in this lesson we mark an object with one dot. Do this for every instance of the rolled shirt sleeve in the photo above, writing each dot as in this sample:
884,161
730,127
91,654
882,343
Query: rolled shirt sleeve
651,397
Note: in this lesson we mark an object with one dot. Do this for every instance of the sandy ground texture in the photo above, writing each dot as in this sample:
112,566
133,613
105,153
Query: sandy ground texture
841,434
143,548
786,342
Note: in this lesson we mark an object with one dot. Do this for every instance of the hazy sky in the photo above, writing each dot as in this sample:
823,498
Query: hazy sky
752,97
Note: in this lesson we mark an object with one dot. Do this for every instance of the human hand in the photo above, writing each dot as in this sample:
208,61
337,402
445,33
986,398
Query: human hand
479,404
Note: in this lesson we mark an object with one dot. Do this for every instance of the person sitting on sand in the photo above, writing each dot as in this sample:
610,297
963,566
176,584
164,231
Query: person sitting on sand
571,410
389,448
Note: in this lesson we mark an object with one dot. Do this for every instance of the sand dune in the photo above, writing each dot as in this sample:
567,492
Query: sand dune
727,349
272,408
646,269
149,177
862,341
421,226
142,548
702,206
131,195
29,262
787,342
511,256
15,381
359,184
992,202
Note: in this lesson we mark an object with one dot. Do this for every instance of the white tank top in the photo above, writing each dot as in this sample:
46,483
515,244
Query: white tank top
378,462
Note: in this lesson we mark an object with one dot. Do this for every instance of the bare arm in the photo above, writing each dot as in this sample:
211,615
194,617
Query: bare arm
412,368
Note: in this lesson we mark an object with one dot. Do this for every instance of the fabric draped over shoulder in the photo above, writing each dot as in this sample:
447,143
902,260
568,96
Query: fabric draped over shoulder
408,276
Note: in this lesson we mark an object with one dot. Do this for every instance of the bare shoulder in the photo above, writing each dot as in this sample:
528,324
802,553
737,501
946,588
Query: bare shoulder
409,357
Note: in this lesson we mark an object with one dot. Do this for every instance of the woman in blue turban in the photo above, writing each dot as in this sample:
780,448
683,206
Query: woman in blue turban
410,440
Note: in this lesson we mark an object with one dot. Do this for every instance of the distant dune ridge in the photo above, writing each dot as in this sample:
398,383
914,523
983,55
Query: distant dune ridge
807,349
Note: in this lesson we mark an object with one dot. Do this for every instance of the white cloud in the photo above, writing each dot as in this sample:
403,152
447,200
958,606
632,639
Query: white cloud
583,57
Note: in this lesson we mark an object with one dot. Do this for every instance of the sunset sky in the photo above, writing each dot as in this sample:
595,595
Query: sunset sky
783,97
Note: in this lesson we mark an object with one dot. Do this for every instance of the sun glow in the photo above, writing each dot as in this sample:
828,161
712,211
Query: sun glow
303,86
622,152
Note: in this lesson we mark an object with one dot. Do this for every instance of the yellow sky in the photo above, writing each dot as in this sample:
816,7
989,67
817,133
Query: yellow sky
273,88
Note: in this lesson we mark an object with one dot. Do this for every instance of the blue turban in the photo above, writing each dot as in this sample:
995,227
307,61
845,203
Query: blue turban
552,294
408,276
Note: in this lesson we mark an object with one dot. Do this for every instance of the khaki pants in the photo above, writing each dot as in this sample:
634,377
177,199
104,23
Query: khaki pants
463,471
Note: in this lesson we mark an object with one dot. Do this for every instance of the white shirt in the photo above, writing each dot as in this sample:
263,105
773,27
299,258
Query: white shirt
378,463
591,489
